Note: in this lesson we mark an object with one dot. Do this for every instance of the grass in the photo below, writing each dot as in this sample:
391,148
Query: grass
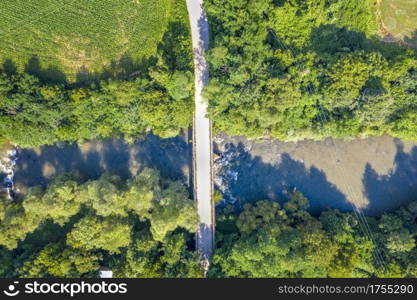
76,36
399,20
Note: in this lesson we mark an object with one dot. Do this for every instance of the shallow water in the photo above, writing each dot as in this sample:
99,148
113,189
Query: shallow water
374,174
171,156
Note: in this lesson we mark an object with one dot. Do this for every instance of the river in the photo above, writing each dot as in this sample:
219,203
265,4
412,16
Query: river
37,166
375,174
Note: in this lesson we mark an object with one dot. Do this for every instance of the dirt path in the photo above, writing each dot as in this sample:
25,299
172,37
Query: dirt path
203,183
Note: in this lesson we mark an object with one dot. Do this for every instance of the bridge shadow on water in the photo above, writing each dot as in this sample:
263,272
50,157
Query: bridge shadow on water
249,179
171,156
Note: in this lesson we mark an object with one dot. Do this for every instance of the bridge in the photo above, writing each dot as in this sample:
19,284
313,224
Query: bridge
202,135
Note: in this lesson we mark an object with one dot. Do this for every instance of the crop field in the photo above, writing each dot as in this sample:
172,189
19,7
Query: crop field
399,19
71,37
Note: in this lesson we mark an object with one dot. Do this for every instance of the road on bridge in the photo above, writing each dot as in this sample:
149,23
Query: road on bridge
202,138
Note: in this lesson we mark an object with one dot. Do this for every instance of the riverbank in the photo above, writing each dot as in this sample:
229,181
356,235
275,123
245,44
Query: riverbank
8,160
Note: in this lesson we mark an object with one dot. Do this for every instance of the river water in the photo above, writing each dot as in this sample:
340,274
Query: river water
173,157
375,174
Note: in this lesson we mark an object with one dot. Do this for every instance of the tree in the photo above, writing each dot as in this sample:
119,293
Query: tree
93,232
264,240
157,96
59,202
57,260
306,69
140,192
173,209
16,225
296,202
104,196
142,227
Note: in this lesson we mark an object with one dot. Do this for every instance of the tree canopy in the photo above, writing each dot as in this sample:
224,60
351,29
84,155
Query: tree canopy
156,95
307,69
142,227
266,239
153,236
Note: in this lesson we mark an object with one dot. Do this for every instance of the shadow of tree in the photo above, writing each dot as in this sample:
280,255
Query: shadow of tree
171,50
175,47
206,248
388,192
249,179
123,69
39,167
52,75
9,67
330,42
412,41
374,87
204,31
172,157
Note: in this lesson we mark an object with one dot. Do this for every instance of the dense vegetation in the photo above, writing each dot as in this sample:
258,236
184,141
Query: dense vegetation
143,228
286,68
33,113
124,101
307,69
81,36
139,228
267,240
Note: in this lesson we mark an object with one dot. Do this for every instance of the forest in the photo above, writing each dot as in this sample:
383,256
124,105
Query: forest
294,69
126,99
267,239
144,227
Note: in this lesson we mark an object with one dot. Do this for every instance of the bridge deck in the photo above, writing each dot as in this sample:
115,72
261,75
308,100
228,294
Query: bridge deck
202,138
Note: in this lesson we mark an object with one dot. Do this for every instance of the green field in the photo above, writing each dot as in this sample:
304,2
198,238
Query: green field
76,36
399,19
